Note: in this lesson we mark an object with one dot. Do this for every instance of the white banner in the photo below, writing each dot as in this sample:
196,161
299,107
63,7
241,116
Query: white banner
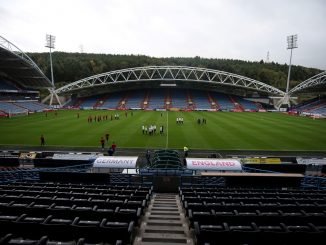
115,162
318,161
75,156
214,164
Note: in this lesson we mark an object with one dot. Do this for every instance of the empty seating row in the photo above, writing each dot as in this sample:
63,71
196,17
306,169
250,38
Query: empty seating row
249,207
67,213
232,191
52,194
256,195
252,194
255,216
82,193
259,217
100,230
99,202
69,188
252,233
13,239
84,211
312,199
79,185
88,200
94,191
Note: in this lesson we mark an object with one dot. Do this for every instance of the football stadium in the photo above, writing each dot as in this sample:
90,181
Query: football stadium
159,155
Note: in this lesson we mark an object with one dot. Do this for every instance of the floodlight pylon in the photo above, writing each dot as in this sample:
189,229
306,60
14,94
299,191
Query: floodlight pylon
292,44
50,40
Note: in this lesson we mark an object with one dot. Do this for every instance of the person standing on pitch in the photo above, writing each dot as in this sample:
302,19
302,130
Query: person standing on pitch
185,150
42,140
102,141
107,137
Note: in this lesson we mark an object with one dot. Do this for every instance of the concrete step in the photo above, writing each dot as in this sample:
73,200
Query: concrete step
165,209
164,223
159,243
163,218
156,206
178,229
164,212
174,231
165,200
165,197
165,204
164,237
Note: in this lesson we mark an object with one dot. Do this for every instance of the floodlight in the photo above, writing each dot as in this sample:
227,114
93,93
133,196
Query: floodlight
292,43
50,41
50,44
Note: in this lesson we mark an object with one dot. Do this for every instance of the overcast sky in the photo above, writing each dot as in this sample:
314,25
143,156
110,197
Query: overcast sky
232,29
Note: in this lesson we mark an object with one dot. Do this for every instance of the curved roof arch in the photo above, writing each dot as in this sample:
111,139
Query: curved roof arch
316,80
170,73
19,66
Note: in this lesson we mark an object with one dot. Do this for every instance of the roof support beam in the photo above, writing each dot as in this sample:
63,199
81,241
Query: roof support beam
309,83
170,73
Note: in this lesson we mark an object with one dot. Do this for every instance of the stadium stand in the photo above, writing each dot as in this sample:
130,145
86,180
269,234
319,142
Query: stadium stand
20,81
179,99
201,100
314,106
223,100
246,104
20,107
11,108
89,102
111,102
321,111
182,99
135,99
255,216
156,99
74,205
32,106
15,100
70,213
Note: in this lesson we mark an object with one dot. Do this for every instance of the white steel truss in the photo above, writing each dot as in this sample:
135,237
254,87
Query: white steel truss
4,43
311,82
170,73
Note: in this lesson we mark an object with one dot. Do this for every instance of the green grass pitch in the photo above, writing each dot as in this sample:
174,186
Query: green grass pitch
224,130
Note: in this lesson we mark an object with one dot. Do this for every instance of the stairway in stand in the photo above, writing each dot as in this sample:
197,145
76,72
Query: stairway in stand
164,223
